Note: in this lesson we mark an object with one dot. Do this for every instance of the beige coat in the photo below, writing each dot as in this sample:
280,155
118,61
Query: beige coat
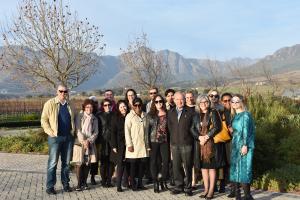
78,151
49,118
135,135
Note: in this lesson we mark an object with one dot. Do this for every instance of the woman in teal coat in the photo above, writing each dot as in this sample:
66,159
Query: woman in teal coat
242,147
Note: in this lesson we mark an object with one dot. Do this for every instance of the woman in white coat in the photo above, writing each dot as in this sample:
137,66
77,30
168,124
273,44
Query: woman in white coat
137,145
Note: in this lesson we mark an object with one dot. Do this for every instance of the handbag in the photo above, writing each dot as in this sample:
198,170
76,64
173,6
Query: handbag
223,135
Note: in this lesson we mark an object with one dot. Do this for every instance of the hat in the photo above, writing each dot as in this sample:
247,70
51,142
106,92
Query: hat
93,98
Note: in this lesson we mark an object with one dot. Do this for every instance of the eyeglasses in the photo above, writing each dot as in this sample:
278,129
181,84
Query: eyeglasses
158,101
212,95
203,102
226,100
63,91
137,105
235,102
151,93
106,105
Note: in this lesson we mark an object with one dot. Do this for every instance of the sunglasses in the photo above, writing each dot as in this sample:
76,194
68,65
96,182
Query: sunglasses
235,102
216,96
158,101
151,93
137,105
105,105
63,91
226,100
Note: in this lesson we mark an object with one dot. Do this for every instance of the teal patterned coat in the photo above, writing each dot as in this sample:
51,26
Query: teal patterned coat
243,134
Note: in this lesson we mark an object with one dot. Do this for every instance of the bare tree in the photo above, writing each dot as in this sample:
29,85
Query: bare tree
46,45
238,71
268,75
145,67
217,79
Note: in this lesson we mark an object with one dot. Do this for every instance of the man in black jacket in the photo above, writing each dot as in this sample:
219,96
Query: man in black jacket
181,140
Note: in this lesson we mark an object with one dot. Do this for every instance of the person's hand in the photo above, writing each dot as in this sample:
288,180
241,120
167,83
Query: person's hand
115,150
244,150
230,130
202,140
131,149
86,144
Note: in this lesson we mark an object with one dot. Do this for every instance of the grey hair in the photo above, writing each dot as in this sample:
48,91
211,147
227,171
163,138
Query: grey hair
199,99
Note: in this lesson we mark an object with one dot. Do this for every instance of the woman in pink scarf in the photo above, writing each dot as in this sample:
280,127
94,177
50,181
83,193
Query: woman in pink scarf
84,151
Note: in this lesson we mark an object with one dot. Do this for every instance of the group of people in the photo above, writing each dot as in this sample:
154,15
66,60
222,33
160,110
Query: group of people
169,139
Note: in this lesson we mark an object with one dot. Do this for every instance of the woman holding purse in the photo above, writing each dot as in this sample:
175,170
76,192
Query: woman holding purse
84,151
206,124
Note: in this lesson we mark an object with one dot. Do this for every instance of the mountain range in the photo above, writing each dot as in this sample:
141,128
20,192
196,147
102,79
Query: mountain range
112,75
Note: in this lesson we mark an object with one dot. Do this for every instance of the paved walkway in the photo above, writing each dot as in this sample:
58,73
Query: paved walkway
22,176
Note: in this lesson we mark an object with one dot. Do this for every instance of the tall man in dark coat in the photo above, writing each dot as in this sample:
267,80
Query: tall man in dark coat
181,140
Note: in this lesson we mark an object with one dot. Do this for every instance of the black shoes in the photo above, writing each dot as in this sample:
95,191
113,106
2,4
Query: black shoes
67,189
51,191
174,192
188,193
119,189
203,195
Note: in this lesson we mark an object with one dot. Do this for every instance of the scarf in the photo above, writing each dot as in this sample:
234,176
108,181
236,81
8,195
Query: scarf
87,131
206,150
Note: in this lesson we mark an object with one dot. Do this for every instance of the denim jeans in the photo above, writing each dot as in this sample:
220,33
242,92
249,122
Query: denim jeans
63,146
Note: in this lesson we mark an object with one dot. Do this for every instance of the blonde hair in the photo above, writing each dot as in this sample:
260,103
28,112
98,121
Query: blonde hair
242,101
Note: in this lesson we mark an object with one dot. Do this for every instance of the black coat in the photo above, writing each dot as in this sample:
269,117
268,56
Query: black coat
118,138
212,118
105,133
179,131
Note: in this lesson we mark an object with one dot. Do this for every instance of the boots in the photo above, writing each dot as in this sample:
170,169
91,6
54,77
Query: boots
93,181
232,190
246,188
79,177
164,186
222,186
237,191
156,187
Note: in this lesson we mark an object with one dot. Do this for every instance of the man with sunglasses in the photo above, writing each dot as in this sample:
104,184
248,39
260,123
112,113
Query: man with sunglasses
226,102
152,93
57,120
214,98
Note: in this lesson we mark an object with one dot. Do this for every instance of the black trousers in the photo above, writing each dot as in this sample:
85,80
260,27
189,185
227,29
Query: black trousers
137,166
159,160
106,169
182,157
122,170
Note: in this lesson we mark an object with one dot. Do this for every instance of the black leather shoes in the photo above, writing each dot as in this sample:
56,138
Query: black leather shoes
67,189
176,192
188,193
51,191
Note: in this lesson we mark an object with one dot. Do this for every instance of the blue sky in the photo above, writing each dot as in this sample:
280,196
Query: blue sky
222,29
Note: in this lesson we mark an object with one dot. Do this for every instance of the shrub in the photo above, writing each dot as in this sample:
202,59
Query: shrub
285,179
26,143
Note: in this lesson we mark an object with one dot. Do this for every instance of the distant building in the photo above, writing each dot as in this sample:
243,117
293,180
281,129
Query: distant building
260,83
3,91
292,93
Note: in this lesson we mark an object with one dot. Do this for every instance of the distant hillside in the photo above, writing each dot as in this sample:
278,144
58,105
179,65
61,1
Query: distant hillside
283,60
112,75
